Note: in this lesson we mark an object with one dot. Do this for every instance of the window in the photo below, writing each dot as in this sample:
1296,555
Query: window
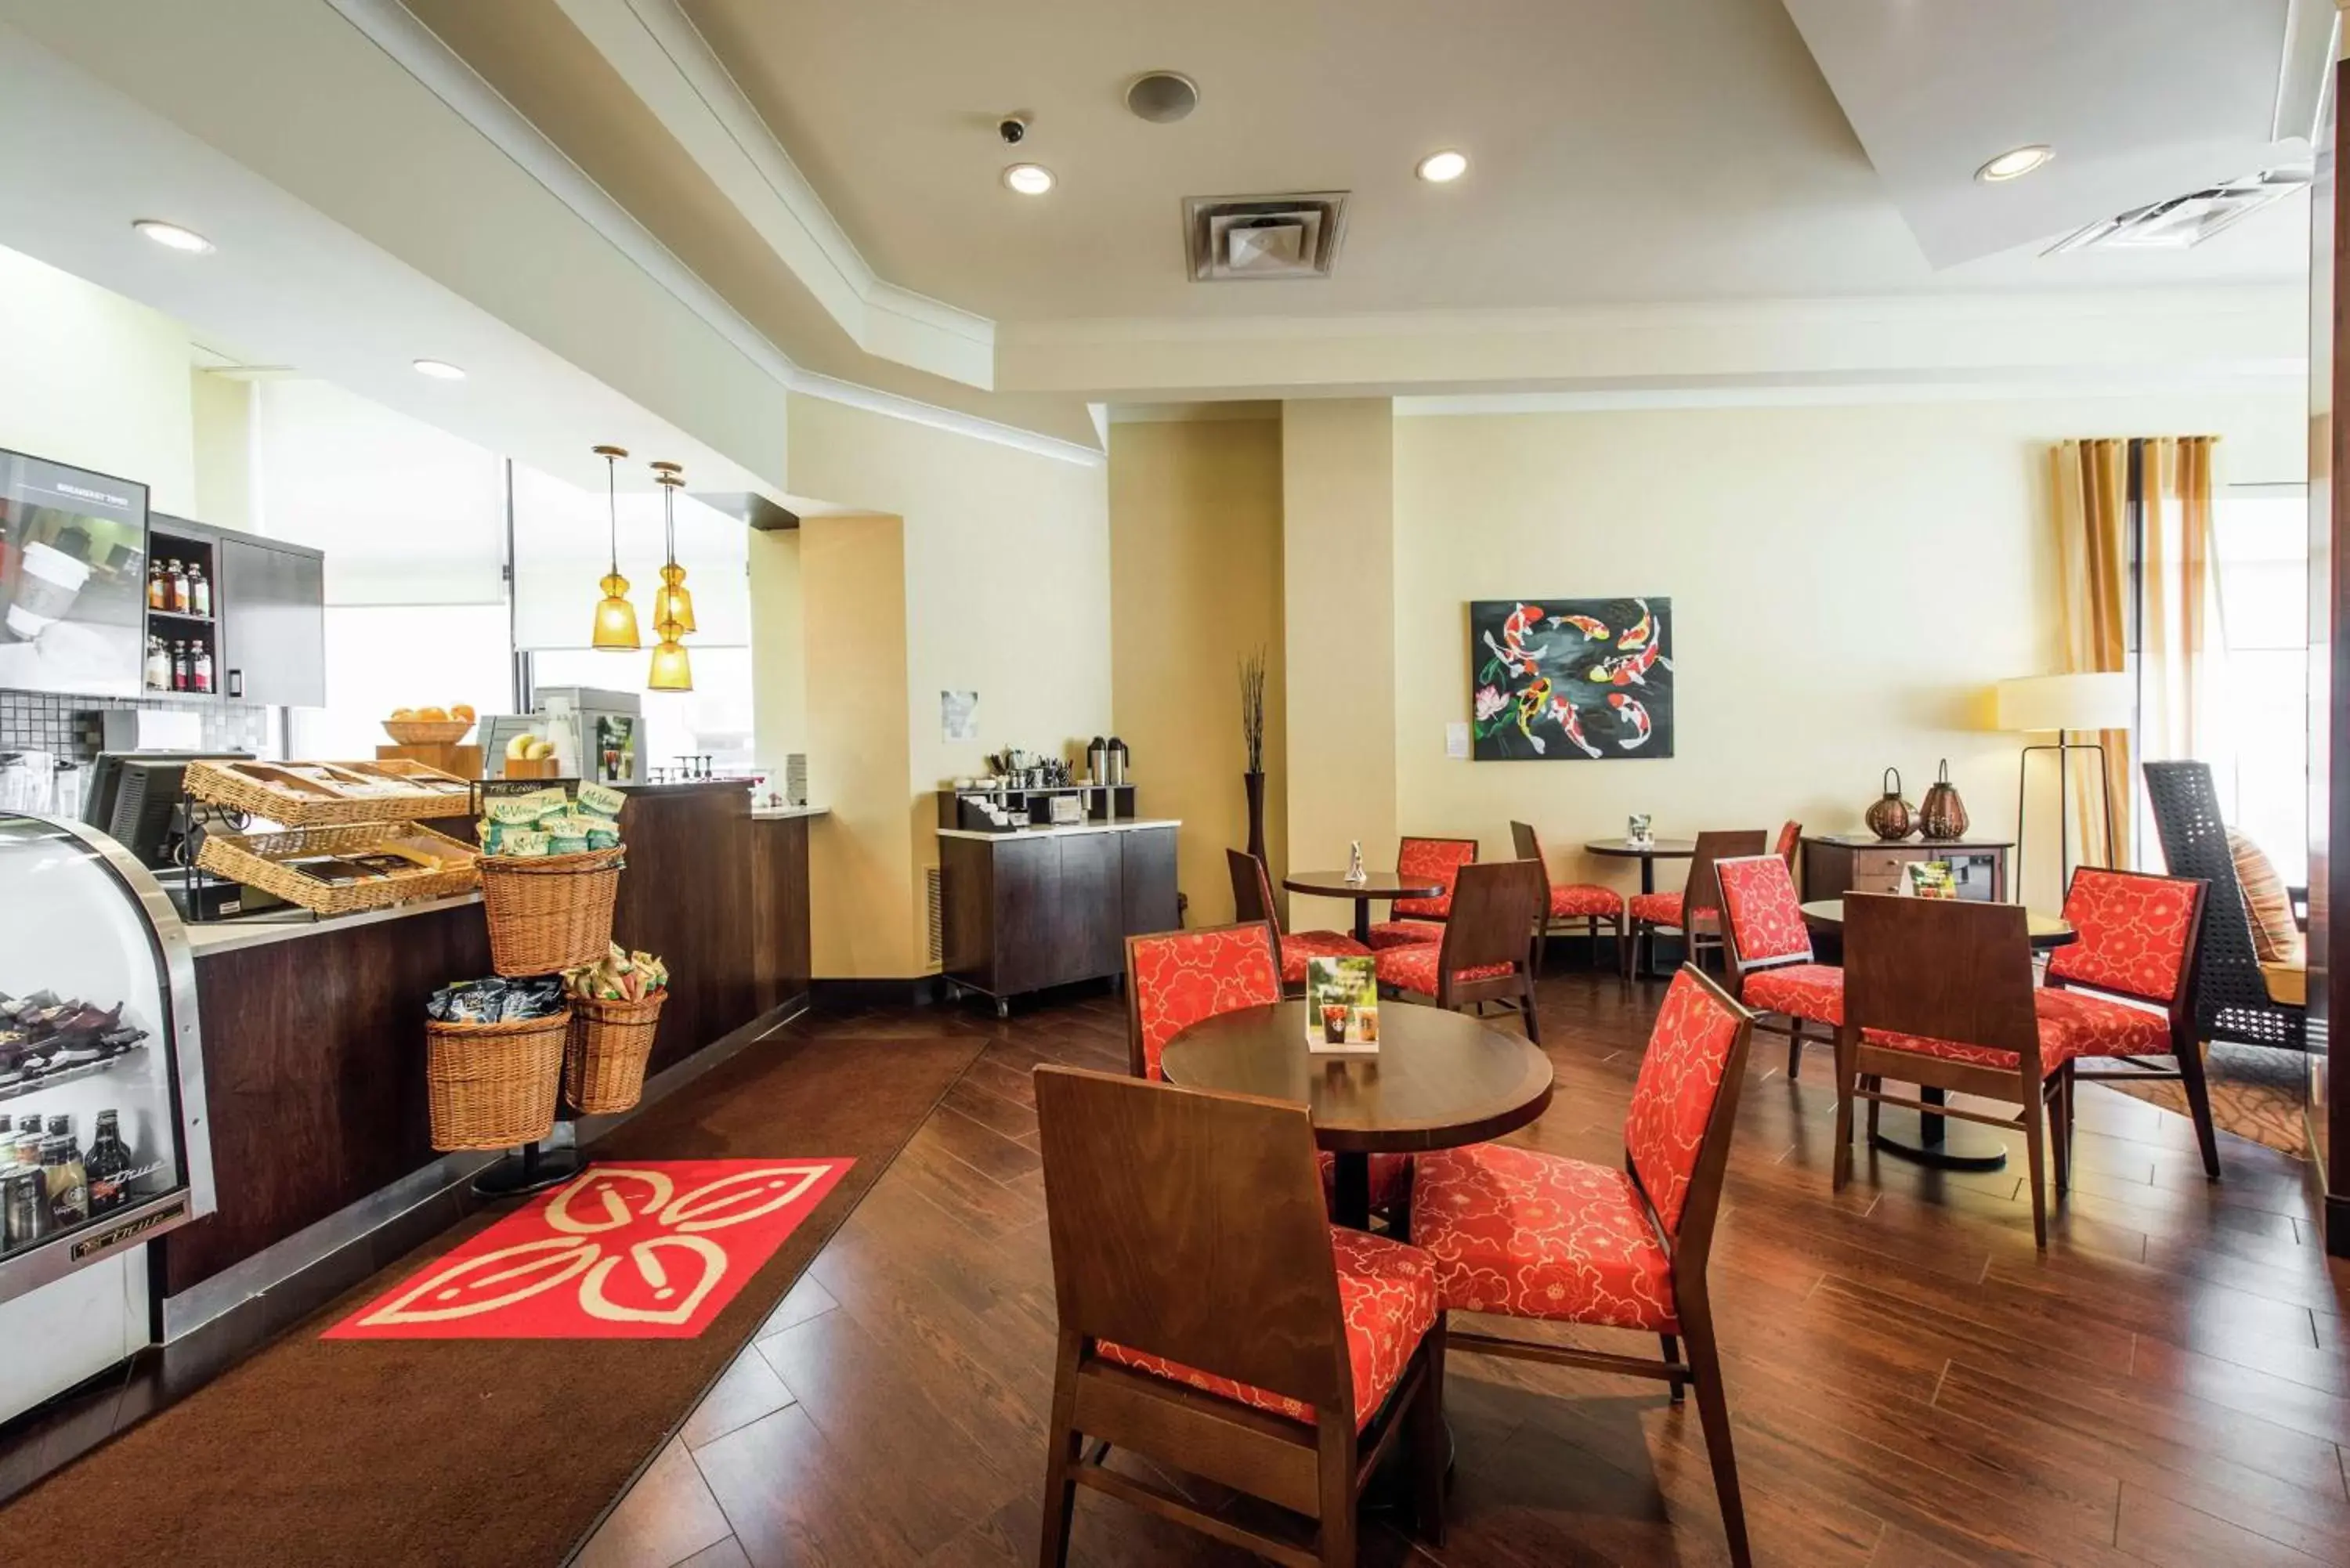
2260,540
382,656
713,720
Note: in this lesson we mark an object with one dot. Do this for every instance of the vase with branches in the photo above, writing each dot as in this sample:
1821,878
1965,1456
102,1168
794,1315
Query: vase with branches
1253,671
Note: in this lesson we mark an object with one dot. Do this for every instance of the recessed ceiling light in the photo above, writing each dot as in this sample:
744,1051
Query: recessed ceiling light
439,369
1029,179
173,237
1443,168
2015,165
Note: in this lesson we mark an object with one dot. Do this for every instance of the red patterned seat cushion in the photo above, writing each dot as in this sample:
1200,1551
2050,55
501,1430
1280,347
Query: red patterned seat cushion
1811,991
1766,918
2133,929
1387,1296
1538,1235
1391,1179
1405,933
1661,909
2100,1026
1576,900
1298,946
1183,976
1439,860
1415,968
2058,1045
1672,1100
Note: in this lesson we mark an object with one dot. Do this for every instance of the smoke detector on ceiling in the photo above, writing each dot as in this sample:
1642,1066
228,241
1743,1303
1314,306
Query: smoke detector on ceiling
2184,222
1162,98
1229,238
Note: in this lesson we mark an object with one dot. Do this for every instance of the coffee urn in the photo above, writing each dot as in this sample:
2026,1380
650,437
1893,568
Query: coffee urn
1117,762
1098,761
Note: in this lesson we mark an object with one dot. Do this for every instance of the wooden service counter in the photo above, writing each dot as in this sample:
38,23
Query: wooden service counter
314,1032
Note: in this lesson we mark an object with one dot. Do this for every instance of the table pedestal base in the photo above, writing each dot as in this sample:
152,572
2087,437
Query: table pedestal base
1939,1141
1350,1202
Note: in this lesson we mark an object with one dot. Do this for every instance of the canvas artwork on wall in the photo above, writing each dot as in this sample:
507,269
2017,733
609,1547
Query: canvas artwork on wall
1571,679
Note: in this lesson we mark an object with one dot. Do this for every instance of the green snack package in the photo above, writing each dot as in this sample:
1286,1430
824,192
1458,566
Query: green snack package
601,799
515,810
525,845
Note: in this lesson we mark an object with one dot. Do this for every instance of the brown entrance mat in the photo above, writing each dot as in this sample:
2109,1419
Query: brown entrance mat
492,1452
2256,1093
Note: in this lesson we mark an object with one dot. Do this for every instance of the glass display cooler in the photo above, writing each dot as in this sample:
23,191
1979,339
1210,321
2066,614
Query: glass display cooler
103,1143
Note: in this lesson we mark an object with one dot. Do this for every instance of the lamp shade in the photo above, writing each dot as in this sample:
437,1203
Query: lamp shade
615,617
672,670
2100,700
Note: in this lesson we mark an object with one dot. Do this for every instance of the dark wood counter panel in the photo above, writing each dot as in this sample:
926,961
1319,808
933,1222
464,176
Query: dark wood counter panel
314,1045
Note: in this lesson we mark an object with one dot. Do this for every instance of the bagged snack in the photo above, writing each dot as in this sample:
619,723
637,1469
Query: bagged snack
603,800
497,1000
513,810
524,844
618,976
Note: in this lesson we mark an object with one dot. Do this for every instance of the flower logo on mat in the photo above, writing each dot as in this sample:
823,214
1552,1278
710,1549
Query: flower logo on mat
622,1250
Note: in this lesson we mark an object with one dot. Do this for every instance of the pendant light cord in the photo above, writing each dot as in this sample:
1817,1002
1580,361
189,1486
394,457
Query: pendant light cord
612,505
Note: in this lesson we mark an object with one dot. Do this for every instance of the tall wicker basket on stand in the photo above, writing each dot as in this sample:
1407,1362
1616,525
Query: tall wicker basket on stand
492,1085
603,1059
551,914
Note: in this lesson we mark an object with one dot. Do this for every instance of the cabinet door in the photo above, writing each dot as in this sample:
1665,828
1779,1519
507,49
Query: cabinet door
1027,935
1092,926
1150,881
273,624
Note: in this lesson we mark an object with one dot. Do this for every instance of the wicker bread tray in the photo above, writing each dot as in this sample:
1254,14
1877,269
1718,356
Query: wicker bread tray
392,789
255,859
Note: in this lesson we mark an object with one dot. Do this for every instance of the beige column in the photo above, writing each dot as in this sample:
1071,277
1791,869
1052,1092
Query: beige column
1338,474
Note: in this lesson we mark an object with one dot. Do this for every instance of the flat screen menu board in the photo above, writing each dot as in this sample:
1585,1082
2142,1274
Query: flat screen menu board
73,579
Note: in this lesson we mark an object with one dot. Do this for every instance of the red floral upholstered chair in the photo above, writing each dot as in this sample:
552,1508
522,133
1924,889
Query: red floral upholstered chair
1440,860
1575,907
1176,978
1253,900
1212,1319
1696,911
1769,949
1522,1233
1486,950
2138,940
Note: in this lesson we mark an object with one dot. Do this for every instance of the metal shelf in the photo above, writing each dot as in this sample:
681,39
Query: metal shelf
84,1070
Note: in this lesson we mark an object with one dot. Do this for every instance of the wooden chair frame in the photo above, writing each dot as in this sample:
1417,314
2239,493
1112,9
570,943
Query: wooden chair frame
1493,914
1718,844
1737,966
1954,970
1218,1194
2187,1055
1136,1065
1528,844
1252,903
1701,1369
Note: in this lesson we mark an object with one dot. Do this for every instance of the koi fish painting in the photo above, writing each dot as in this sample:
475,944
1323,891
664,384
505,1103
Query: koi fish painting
1561,680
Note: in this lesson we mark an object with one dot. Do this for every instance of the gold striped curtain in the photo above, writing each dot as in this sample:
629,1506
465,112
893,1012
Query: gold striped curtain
2092,529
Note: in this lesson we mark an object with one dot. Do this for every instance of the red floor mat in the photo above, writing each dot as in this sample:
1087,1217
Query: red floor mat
647,1250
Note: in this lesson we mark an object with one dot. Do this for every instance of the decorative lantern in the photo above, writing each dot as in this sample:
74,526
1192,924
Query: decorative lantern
615,617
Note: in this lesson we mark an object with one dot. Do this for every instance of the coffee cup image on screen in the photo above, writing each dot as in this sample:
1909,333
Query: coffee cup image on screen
73,565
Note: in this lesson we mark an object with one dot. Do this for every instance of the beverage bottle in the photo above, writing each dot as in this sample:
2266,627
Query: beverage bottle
155,590
184,677
68,1187
28,1144
178,588
24,1208
203,668
200,592
108,1165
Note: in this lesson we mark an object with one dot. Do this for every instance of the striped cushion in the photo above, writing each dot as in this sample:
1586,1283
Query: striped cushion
2275,938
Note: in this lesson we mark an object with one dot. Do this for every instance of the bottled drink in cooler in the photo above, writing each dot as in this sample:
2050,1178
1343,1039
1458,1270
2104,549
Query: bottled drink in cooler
28,1144
24,1208
67,1184
108,1167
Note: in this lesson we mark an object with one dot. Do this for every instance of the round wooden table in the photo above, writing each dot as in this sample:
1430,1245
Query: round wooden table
1440,1079
1648,854
1374,886
1929,1141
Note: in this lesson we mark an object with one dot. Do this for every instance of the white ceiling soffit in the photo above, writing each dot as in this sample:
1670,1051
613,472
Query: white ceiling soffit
2141,99
663,59
79,160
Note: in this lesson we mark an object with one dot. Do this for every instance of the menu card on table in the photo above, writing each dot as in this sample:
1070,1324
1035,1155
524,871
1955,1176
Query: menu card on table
1342,1006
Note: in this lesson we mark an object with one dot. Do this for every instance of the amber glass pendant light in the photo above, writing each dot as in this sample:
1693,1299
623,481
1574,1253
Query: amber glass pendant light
672,670
615,617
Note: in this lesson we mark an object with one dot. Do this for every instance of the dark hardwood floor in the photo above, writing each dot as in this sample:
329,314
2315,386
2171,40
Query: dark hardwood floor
1912,1384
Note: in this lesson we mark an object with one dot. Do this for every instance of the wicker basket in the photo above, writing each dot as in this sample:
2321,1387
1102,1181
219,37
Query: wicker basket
550,914
492,1085
604,1058
426,731
254,860
267,789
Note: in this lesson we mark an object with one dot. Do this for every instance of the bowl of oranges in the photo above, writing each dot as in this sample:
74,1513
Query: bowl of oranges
430,726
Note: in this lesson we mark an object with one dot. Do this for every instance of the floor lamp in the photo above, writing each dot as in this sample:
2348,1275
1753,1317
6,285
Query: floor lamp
2065,704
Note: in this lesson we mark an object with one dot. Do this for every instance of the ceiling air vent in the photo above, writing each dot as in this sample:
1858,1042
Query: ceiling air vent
1230,238
2184,222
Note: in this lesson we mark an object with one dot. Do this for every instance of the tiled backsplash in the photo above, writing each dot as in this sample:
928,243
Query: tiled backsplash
71,728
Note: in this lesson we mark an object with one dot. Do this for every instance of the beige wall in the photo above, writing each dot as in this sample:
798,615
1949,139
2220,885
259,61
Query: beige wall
94,380
778,649
1847,584
1004,589
1195,587
223,412
1340,583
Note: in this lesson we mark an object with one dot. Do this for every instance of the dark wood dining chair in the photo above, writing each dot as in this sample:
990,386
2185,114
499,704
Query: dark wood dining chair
1790,834
1767,950
1522,1233
1415,919
1938,993
1486,952
1574,908
1212,1320
1252,901
1696,911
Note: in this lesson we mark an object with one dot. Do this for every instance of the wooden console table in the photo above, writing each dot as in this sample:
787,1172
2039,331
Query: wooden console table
1837,864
